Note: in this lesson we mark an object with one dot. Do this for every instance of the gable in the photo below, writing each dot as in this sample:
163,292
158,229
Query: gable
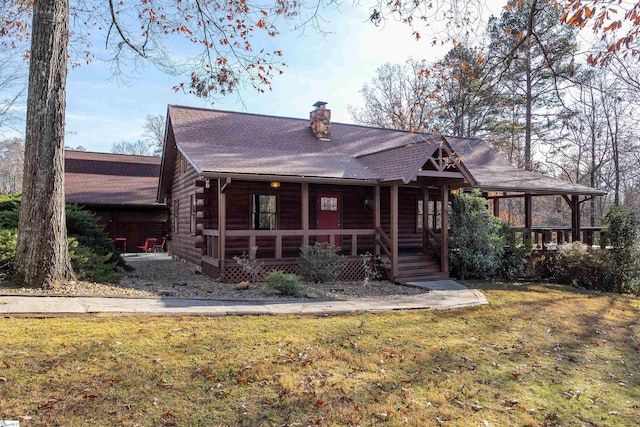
430,157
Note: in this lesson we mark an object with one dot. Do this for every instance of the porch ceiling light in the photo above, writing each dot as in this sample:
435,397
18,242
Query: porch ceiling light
275,184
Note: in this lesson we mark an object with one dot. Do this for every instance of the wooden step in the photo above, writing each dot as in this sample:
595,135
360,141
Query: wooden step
406,279
418,268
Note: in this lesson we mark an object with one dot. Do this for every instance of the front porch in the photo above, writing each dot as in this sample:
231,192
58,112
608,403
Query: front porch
389,221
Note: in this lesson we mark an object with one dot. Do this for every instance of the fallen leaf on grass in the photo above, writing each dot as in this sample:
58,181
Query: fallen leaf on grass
382,416
48,404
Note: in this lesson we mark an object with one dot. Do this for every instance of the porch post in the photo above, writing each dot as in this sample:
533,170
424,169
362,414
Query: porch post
425,219
222,226
575,219
496,207
394,231
304,201
444,229
528,223
376,213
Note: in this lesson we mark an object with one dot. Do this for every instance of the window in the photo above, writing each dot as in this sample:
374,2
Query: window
192,215
434,215
328,203
419,215
264,212
176,216
182,163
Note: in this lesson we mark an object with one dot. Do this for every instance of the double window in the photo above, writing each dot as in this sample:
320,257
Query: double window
432,212
264,212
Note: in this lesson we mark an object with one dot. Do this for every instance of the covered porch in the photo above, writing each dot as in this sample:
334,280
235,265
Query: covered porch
543,235
402,224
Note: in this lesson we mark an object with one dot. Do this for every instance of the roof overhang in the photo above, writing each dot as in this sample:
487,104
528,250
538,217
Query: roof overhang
543,191
288,178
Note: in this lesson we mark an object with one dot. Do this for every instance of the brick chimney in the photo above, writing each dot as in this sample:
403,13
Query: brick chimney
321,121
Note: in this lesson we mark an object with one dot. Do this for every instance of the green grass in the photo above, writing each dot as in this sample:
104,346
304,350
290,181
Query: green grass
537,355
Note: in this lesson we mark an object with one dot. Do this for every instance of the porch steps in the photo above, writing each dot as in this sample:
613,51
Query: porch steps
418,267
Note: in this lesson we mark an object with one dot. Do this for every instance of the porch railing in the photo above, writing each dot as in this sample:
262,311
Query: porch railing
542,235
211,238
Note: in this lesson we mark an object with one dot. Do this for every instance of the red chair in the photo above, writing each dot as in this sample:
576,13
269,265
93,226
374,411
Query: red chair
148,246
159,247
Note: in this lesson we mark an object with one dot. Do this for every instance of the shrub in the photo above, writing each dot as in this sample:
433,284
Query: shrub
93,255
516,255
91,266
250,264
285,284
84,227
475,240
8,243
370,267
622,234
9,211
320,263
542,265
581,266
9,201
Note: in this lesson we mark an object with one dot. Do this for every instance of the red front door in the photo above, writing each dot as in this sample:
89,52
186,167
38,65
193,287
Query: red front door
329,209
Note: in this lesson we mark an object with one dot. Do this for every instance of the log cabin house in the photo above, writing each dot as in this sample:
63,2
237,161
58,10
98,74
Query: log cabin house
120,189
233,181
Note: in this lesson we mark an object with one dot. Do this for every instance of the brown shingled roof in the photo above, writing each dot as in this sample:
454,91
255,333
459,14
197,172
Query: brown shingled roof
222,142
110,179
494,173
393,164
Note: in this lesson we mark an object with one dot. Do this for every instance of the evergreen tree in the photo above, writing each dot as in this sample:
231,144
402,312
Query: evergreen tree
531,55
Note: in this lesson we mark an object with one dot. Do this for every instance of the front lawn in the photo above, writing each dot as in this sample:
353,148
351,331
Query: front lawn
537,355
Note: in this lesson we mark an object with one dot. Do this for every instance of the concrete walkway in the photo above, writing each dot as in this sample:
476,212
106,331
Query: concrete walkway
38,306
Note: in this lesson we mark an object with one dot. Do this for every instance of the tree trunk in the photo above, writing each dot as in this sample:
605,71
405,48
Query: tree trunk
528,164
42,255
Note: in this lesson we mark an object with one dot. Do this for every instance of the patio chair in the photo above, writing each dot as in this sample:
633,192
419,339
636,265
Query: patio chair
159,247
148,246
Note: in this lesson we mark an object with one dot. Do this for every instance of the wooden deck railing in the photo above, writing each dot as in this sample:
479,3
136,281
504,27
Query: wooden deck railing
211,236
542,235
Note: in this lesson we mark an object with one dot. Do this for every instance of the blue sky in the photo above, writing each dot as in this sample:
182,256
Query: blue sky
331,67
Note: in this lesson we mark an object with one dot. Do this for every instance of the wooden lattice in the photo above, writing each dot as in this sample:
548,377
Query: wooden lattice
210,270
352,270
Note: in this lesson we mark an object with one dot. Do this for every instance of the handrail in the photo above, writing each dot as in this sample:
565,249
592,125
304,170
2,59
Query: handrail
386,247
435,237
